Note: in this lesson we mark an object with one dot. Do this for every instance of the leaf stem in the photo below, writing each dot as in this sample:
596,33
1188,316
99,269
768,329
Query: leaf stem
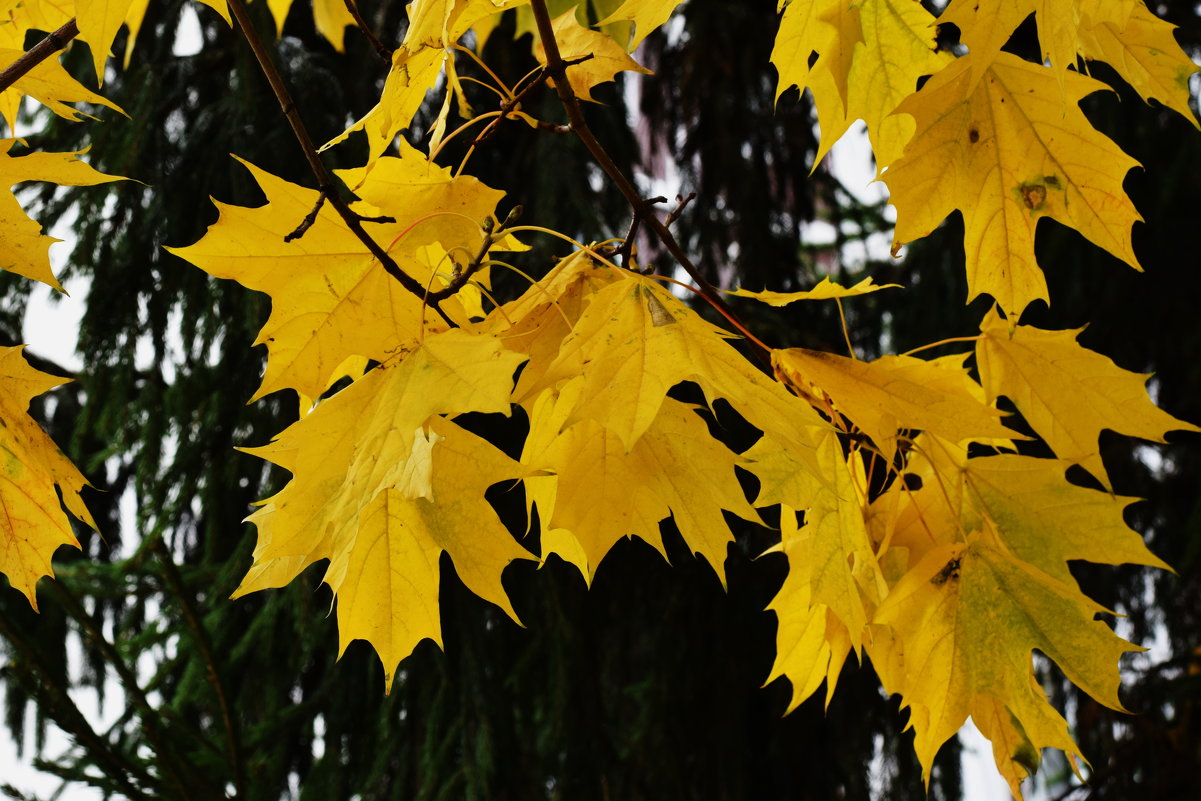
556,68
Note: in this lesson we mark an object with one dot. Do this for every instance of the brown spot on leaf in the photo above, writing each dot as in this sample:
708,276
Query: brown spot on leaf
1053,182
1034,195
949,572
973,134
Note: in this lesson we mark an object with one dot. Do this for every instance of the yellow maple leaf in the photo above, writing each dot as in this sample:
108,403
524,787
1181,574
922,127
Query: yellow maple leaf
1006,155
99,21
812,644
605,57
23,247
330,298
897,49
895,392
1147,56
596,492
985,28
647,16
825,290
955,640
1067,393
49,84
634,340
381,485
806,28
411,76
33,471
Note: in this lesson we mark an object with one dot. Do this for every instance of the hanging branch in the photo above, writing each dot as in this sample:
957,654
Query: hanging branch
233,741
325,179
556,68
52,43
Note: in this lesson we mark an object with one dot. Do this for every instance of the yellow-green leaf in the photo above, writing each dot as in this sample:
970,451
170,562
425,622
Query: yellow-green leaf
959,631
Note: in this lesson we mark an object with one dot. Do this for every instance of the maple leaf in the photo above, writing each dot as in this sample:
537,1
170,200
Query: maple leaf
832,553
330,298
49,84
1006,155
599,492
411,76
897,50
605,57
825,290
33,471
806,28
647,16
417,64
812,644
870,57
1061,26
1147,56
1067,393
381,485
896,392
960,629
633,341
23,247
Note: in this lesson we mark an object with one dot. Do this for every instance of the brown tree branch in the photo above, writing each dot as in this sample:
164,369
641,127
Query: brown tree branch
52,43
325,179
556,68
384,51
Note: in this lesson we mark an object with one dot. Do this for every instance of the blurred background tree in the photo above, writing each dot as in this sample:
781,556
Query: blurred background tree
646,686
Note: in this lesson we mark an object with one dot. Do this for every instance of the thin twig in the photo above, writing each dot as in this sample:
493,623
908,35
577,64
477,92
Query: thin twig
681,204
384,51
509,106
52,43
325,179
626,251
309,218
557,69
492,233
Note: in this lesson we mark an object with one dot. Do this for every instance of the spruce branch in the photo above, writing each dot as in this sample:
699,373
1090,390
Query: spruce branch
233,740
30,668
129,683
556,68
52,43
325,179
